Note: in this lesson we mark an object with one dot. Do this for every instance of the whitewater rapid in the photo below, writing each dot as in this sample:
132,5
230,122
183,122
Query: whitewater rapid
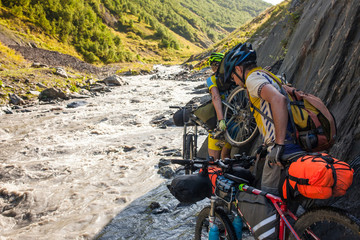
66,172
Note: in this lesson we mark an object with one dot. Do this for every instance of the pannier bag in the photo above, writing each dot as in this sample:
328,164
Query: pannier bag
225,189
259,213
317,176
206,113
181,115
190,188
214,172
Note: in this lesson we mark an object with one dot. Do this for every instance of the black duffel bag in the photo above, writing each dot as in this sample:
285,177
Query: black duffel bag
190,188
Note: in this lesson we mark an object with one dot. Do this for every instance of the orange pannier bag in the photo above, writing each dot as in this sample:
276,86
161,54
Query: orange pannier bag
317,176
214,172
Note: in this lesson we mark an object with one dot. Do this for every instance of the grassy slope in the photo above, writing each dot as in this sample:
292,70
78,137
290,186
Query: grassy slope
252,31
17,76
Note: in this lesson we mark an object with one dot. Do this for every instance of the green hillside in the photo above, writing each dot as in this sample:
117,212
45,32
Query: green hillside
109,31
257,28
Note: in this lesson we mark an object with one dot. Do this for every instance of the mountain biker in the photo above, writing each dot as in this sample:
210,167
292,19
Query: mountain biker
217,148
264,94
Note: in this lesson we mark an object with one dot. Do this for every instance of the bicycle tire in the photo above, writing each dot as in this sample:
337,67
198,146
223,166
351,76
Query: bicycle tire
239,119
189,147
327,223
189,150
224,224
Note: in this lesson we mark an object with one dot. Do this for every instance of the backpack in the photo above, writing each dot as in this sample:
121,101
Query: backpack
220,73
315,126
316,176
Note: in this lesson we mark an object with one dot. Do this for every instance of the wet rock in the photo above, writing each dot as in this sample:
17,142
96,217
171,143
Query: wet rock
155,77
61,72
76,104
128,148
9,213
160,211
114,80
154,205
163,162
166,171
99,87
84,92
15,99
52,93
171,152
7,110
77,95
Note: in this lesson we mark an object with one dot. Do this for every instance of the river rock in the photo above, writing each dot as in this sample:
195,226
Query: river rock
114,80
166,171
99,87
76,104
15,99
61,72
52,93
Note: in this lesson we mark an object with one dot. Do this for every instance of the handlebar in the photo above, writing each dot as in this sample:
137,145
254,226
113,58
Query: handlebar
225,164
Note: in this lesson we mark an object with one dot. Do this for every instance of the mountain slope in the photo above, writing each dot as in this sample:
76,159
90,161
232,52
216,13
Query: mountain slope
110,31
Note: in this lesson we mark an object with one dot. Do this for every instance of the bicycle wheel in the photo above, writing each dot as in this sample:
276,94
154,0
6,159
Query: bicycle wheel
327,223
241,125
222,221
189,147
188,153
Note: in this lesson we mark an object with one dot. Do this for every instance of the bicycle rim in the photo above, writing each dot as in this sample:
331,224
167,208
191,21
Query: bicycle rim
328,224
241,125
189,147
224,224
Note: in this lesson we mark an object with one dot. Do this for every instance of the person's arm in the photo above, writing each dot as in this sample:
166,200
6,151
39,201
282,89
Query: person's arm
216,100
279,111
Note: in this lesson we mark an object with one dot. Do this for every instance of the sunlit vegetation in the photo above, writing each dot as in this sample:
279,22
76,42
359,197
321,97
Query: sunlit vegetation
102,30
257,28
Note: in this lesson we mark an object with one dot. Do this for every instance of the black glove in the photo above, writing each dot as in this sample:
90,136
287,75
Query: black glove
262,151
275,154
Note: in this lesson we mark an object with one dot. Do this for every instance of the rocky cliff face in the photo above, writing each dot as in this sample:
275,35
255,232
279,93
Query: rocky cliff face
322,58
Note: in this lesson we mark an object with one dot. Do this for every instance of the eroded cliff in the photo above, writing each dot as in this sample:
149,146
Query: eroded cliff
320,52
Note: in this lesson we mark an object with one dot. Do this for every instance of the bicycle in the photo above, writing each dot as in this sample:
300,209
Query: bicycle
241,126
315,223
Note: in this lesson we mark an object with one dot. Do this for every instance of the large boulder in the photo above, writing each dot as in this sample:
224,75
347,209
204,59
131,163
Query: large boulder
114,80
52,93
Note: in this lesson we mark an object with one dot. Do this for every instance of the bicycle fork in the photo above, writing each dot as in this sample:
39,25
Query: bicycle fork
213,229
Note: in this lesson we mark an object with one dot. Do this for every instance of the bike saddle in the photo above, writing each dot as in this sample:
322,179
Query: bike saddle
292,156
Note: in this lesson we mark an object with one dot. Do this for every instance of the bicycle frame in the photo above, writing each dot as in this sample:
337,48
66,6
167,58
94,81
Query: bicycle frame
280,207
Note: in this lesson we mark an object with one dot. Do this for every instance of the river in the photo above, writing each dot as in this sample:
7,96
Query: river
66,172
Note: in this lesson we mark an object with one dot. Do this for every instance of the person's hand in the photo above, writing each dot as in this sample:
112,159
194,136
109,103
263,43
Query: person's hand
222,125
275,154
261,151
